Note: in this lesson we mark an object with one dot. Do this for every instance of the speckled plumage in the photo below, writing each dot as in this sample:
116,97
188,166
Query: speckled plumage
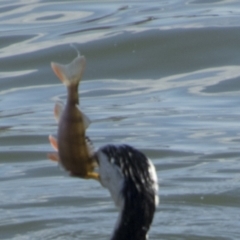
132,181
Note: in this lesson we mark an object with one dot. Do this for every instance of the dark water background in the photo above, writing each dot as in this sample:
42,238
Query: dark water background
163,76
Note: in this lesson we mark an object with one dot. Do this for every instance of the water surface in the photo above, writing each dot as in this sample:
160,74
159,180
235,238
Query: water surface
162,76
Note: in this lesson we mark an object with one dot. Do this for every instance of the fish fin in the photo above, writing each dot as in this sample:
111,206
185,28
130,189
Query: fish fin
53,157
53,142
70,74
90,148
58,109
89,175
93,175
86,119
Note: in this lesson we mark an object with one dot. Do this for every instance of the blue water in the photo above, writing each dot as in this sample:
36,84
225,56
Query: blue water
162,76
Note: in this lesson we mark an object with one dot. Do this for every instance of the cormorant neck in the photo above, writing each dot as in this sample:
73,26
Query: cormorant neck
132,181
136,216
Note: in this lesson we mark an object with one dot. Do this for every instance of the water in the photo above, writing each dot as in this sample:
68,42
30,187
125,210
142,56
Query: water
162,76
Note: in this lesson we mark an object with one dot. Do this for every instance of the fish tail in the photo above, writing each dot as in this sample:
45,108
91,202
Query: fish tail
70,74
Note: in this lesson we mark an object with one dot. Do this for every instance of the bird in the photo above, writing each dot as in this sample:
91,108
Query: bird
132,181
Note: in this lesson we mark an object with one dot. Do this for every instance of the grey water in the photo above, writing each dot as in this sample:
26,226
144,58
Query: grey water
163,76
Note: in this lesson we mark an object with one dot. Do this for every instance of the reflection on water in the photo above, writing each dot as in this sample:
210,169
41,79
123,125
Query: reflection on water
163,77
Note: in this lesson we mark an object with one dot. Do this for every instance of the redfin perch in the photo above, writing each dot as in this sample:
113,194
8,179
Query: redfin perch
73,150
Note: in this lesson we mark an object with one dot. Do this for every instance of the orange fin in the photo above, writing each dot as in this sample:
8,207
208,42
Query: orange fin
93,175
89,175
53,157
58,71
53,142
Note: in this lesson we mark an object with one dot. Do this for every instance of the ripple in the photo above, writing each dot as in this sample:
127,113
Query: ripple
161,76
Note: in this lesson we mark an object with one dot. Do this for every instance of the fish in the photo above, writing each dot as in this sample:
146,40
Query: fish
74,150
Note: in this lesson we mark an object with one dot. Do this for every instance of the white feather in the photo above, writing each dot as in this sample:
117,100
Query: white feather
153,174
111,178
